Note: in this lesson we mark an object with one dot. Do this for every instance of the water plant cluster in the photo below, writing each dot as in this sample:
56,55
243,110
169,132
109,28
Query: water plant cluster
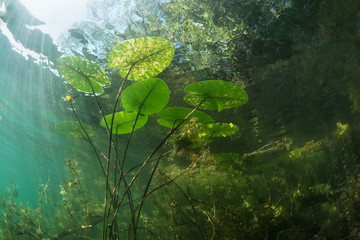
285,165
189,189
140,60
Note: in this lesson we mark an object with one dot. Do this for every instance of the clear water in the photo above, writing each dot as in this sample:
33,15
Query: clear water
290,172
29,147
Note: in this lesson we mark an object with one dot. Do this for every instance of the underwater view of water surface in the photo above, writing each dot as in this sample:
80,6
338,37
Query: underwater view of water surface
179,119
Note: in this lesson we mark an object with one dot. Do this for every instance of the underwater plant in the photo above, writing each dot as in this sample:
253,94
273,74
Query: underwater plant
205,179
72,214
140,60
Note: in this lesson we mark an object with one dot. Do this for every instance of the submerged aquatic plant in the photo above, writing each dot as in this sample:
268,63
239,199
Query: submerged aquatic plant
262,188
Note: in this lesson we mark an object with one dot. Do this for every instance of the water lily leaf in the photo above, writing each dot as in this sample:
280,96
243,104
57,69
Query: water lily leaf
150,96
218,95
73,129
174,115
80,71
124,122
146,57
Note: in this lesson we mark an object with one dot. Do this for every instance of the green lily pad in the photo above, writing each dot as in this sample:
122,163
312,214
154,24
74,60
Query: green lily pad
124,122
218,95
80,72
146,57
73,129
149,96
173,116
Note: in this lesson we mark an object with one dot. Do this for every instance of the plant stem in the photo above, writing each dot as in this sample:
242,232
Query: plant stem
107,211
153,153
182,173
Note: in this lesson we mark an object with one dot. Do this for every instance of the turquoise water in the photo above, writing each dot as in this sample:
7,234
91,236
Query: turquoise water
272,152
30,149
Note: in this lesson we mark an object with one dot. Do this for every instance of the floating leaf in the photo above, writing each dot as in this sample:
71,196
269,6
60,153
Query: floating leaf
80,71
173,116
218,95
150,95
73,129
124,122
146,57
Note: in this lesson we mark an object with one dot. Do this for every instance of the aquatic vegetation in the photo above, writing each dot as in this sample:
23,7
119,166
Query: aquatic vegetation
259,172
171,117
223,196
124,122
195,134
73,129
82,74
233,196
141,59
70,217
215,95
145,57
146,97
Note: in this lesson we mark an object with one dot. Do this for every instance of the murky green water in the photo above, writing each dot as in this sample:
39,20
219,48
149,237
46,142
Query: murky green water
232,120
